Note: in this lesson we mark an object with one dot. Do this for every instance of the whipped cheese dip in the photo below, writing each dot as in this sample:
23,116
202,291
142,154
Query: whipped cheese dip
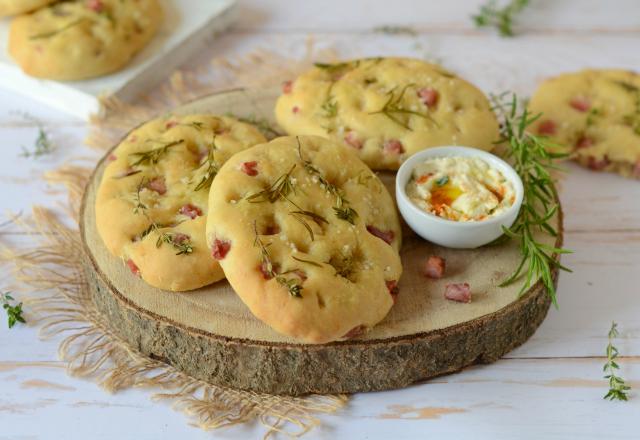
460,188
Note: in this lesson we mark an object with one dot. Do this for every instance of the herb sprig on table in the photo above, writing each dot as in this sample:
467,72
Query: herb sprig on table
501,18
532,160
618,389
42,145
14,313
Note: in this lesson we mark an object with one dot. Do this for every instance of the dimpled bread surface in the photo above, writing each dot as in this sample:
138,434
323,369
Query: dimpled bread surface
387,109
595,116
309,241
82,39
152,201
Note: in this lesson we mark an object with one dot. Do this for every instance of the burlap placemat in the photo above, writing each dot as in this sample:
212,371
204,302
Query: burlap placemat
55,290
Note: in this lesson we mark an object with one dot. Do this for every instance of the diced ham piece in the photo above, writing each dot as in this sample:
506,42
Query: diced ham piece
358,330
584,142
190,211
222,130
95,5
295,109
424,178
434,267
393,146
392,287
287,87
428,96
133,138
351,138
460,292
157,184
249,168
547,127
264,270
597,164
387,236
132,267
112,157
580,103
170,124
301,274
180,238
220,249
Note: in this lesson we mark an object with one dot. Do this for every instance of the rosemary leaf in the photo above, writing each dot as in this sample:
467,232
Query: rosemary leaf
278,190
212,169
153,156
392,109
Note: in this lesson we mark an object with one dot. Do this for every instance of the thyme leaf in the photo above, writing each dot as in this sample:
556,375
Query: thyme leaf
501,18
392,109
153,156
532,160
14,312
618,389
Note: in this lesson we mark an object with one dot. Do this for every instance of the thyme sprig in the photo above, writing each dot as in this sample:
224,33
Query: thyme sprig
292,285
151,157
532,160
42,145
501,18
212,168
52,33
14,313
618,389
393,108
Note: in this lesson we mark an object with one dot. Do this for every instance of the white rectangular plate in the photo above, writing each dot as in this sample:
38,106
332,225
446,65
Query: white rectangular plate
188,25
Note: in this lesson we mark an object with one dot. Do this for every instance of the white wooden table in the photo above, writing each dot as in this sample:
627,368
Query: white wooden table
551,387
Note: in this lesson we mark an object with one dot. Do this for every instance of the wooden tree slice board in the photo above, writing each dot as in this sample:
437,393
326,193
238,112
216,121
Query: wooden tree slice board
210,334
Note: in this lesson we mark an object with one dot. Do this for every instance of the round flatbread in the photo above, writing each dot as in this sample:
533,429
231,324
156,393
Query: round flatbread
387,109
82,39
595,115
152,202
13,7
309,240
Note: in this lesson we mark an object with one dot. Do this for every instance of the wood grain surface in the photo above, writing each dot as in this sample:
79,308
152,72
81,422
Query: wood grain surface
551,386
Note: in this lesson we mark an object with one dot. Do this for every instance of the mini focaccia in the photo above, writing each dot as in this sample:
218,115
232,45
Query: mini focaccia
387,109
307,236
80,39
151,205
595,116
13,7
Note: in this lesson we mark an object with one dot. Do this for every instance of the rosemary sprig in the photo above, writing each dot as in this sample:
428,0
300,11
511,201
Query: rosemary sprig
278,190
392,108
181,243
14,313
302,260
139,207
342,211
55,32
292,285
501,18
212,168
618,390
301,217
151,157
532,160
42,145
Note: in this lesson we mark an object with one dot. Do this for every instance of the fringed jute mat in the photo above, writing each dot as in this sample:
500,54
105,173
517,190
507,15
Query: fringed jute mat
56,294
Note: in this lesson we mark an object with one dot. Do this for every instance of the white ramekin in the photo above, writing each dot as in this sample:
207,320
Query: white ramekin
450,233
